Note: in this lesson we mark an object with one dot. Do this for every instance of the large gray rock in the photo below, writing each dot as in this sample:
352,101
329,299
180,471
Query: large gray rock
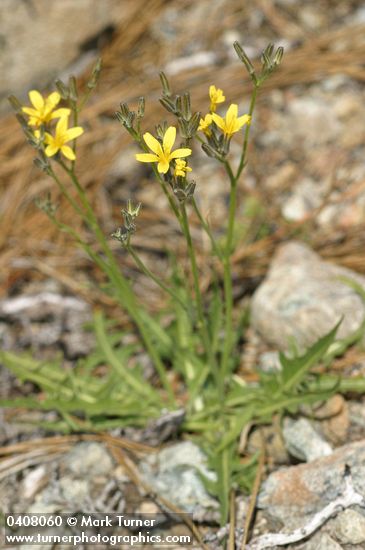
174,473
39,38
321,541
302,440
349,527
303,298
294,494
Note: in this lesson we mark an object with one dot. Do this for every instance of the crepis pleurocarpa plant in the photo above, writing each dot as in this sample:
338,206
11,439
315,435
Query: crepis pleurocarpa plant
199,347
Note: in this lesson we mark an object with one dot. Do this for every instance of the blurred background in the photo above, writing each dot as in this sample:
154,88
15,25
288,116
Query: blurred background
306,170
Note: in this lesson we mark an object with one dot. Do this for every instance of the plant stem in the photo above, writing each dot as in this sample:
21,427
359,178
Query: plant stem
243,158
198,297
227,274
142,266
227,277
64,191
207,229
124,290
172,204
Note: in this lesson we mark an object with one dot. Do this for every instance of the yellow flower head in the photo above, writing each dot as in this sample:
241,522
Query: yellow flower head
181,168
62,136
43,109
231,123
216,96
162,153
205,123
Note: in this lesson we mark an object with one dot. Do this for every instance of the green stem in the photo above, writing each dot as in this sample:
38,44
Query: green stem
64,191
207,229
243,158
198,297
75,113
124,291
172,204
232,210
227,276
142,266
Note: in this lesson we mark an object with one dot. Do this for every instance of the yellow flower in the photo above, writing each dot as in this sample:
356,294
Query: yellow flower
231,123
62,136
181,168
205,123
162,153
216,96
43,110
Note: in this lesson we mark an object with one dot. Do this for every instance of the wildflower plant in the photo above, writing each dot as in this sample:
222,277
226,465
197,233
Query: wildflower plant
200,345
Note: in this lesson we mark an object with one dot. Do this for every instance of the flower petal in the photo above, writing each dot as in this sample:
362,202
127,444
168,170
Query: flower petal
68,152
48,139
29,111
60,113
61,127
163,167
169,139
73,133
51,150
244,119
179,153
152,143
36,100
231,114
34,121
52,100
147,157
220,122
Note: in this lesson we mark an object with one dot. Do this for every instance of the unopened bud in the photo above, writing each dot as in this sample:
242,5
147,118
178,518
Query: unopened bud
245,60
16,105
39,163
179,107
278,56
184,128
165,85
73,88
131,210
186,106
266,61
22,121
168,104
141,107
95,75
193,124
63,90
213,153
121,236
161,130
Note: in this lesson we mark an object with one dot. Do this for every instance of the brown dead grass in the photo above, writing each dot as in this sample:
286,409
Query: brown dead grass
30,247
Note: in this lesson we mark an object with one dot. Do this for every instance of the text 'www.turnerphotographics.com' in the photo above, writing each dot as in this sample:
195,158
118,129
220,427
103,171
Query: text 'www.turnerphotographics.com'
110,529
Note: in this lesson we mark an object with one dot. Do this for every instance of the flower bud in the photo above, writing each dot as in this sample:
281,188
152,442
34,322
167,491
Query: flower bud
73,88
16,105
43,166
95,75
178,102
193,124
63,90
213,153
245,60
166,91
168,104
186,106
278,56
141,107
